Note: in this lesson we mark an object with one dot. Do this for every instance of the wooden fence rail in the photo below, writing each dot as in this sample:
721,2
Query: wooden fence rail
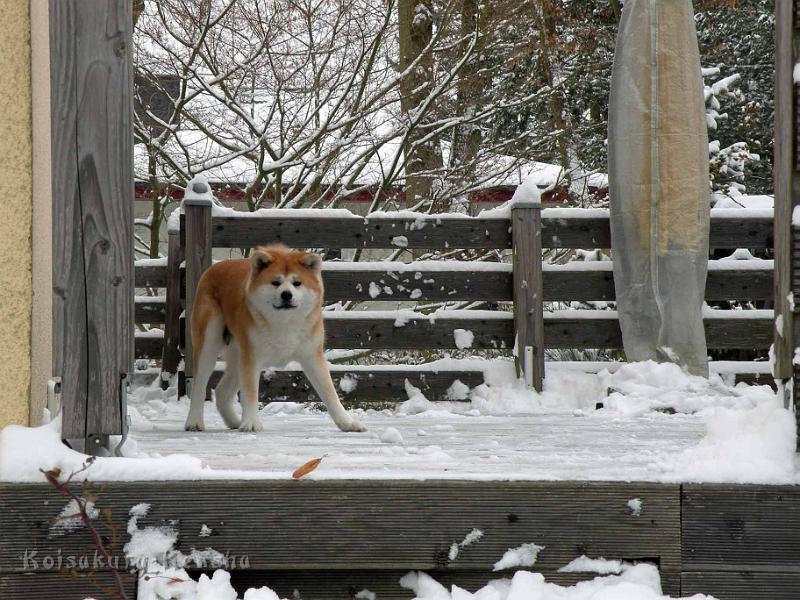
436,281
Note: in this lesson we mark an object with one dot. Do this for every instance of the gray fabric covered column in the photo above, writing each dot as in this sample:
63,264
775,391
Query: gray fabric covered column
659,184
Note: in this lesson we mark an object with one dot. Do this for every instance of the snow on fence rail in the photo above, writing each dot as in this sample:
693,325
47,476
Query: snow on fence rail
745,279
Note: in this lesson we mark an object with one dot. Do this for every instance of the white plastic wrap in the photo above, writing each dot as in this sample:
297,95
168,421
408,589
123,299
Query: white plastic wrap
659,184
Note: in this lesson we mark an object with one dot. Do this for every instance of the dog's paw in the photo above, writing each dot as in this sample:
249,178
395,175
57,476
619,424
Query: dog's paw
352,425
251,424
194,424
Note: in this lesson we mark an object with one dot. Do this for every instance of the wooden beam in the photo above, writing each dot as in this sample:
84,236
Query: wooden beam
565,228
784,167
150,309
92,137
385,584
372,386
197,255
594,281
171,355
526,233
733,528
741,585
56,585
562,330
150,276
368,524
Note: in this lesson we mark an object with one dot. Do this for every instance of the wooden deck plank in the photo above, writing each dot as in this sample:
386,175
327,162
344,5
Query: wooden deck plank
737,528
743,585
54,585
385,584
370,524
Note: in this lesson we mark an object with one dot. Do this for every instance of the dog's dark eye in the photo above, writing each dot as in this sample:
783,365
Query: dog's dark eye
297,284
276,283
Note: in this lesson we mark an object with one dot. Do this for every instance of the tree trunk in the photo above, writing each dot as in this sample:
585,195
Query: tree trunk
471,87
422,159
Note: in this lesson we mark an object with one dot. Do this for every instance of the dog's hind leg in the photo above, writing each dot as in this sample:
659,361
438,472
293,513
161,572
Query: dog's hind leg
227,389
207,326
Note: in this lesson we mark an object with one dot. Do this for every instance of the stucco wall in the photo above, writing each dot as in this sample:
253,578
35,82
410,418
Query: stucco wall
15,211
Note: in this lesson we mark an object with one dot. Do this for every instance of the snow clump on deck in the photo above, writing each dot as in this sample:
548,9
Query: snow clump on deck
522,556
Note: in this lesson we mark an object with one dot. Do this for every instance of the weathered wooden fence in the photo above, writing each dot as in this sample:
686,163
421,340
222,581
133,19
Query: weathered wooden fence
92,186
495,283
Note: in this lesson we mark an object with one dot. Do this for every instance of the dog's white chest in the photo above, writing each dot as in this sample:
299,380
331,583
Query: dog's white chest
278,345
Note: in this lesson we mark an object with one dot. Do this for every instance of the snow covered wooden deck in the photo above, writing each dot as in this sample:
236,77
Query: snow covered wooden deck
612,483
433,445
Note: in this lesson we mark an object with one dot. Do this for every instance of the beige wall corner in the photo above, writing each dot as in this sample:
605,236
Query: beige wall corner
15,225
42,316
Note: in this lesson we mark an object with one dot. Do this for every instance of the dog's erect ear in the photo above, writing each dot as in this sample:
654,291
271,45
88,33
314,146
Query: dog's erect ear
261,259
311,261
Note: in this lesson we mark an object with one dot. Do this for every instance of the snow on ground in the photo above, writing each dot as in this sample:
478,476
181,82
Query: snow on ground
656,423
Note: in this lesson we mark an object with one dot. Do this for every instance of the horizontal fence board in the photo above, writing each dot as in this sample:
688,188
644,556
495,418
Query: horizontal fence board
735,528
294,387
561,331
367,524
560,285
343,285
372,385
563,229
354,232
149,310
148,346
149,276
417,334
744,585
385,584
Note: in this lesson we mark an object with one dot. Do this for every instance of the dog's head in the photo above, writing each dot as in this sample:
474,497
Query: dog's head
285,282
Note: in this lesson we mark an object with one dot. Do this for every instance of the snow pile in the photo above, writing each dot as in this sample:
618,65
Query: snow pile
740,446
635,504
601,566
19,463
638,582
522,556
636,388
463,338
565,389
390,435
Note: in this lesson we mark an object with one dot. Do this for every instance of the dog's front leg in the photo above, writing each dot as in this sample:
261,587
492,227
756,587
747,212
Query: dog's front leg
249,379
316,369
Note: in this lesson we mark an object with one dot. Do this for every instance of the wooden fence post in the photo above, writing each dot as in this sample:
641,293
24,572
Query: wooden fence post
92,184
171,354
787,200
197,254
526,239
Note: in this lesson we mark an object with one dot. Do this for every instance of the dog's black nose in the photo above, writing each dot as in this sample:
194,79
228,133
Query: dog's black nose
286,296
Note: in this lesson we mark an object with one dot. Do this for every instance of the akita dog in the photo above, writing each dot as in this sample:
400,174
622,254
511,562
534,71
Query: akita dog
260,312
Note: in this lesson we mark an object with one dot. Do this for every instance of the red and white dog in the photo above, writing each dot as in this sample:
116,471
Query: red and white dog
260,312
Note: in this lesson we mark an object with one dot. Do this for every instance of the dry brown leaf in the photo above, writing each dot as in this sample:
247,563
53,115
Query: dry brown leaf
306,468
